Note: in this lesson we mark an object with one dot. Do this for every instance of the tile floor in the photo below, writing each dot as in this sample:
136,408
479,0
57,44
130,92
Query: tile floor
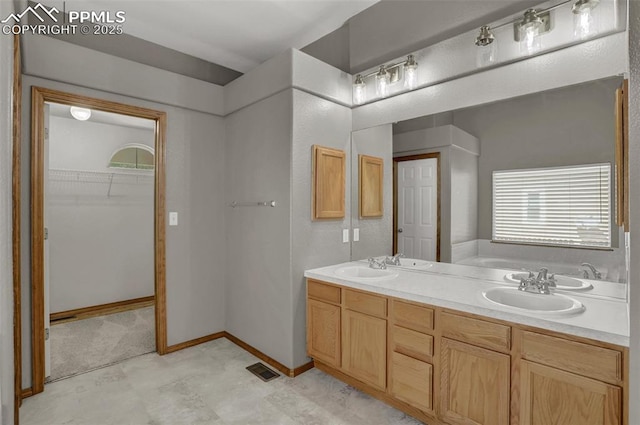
203,385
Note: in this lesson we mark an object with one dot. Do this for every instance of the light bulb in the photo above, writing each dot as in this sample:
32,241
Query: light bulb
410,73
81,114
382,82
359,91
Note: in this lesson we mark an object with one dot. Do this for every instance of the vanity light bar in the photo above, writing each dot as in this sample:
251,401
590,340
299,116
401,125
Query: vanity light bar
536,22
385,75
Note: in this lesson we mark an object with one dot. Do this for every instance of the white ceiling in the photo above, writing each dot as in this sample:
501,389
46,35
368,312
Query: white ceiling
238,34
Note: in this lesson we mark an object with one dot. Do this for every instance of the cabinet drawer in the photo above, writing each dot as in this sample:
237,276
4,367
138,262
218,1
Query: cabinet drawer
412,316
322,291
365,303
583,359
411,343
476,332
411,381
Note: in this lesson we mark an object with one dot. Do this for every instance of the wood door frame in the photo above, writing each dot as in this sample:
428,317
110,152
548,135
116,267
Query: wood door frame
39,96
398,159
16,226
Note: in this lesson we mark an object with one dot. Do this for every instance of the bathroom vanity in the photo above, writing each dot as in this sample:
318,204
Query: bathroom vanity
432,346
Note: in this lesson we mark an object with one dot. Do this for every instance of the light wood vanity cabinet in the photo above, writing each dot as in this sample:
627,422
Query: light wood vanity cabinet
323,322
552,396
452,368
411,347
364,337
475,377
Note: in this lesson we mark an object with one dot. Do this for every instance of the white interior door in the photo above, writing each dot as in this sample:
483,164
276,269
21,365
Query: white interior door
418,208
47,340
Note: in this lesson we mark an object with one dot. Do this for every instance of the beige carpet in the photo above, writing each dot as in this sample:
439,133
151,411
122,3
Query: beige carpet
84,345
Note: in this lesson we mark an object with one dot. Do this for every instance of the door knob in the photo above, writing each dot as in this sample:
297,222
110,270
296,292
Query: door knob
400,230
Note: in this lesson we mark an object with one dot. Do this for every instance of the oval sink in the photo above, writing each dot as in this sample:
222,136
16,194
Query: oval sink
414,263
365,273
554,304
564,283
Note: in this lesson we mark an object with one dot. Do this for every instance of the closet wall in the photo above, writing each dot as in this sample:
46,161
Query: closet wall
100,219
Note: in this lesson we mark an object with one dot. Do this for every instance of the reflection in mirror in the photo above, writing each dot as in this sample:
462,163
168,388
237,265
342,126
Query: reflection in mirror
556,130
371,235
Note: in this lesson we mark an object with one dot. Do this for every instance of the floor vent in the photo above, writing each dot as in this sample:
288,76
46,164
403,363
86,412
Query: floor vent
262,372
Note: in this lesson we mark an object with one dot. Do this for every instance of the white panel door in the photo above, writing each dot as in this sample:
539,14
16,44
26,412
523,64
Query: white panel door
418,208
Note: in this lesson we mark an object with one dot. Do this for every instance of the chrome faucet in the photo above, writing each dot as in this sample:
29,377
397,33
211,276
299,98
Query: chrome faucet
376,264
596,274
539,284
394,260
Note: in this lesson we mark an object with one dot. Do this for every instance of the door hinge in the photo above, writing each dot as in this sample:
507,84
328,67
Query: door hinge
46,334
46,233
46,133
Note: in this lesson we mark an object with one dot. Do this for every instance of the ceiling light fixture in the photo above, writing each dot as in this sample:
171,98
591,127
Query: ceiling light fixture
584,20
81,114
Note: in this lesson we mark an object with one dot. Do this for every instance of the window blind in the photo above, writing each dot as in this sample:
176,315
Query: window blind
569,206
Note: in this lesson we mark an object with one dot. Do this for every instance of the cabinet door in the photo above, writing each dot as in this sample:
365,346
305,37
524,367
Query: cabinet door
552,396
411,381
323,332
364,343
474,385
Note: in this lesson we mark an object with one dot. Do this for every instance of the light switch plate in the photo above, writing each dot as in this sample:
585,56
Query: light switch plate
345,235
356,235
173,219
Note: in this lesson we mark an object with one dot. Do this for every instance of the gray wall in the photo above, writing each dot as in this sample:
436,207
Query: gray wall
195,189
634,176
333,48
376,234
464,195
100,234
6,266
569,126
269,158
258,239
314,243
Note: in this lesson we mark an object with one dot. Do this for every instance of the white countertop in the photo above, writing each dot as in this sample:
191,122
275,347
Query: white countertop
604,319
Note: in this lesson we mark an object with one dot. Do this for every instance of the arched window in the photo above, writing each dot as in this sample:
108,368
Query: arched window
133,156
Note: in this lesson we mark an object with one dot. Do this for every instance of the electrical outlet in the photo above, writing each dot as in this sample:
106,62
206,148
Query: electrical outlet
345,235
356,235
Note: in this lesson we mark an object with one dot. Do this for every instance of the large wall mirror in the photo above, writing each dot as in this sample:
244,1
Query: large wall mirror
513,186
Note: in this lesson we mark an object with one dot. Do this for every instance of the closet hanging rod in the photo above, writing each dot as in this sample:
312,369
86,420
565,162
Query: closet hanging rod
253,204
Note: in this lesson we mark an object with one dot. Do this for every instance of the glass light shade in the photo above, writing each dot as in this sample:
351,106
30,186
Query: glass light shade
529,32
359,91
81,114
585,19
382,82
530,39
486,55
410,73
